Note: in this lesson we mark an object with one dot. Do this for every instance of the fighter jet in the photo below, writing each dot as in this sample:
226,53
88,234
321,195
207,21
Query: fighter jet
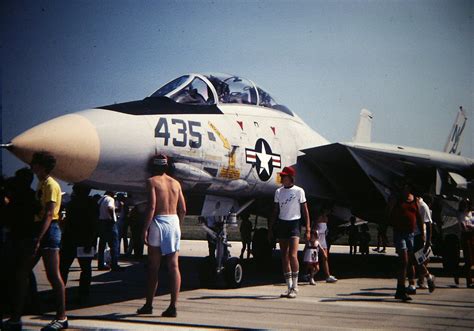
227,139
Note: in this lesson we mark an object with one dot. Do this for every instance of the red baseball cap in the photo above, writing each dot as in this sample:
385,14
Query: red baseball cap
288,171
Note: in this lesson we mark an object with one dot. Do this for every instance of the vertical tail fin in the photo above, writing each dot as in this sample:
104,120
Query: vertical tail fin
453,144
363,132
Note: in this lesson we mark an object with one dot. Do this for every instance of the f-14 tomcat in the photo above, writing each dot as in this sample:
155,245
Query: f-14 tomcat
227,139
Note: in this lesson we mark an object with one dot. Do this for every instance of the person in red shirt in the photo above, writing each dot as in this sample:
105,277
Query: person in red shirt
404,217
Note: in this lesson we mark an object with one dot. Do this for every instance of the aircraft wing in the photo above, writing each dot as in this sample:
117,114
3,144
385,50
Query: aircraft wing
363,175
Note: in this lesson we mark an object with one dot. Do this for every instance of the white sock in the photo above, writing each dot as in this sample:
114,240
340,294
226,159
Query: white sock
294,276
288,279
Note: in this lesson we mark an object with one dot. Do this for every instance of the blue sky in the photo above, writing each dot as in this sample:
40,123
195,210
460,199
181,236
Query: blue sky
409,62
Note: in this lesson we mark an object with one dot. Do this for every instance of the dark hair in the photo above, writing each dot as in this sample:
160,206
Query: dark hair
24,176
81,190
45,160
120,196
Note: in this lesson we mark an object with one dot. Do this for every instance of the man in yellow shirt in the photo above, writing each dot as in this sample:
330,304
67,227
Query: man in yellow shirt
47,240
49,235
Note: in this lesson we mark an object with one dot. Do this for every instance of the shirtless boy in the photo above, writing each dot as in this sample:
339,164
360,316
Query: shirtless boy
162,233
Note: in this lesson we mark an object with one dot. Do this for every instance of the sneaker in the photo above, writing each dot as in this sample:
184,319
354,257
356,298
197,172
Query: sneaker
285,294
331,279
12,325
146,309
56,325
411,289
375,249
170,312
431,283
296,289
312,281
292,294
421,284
402,296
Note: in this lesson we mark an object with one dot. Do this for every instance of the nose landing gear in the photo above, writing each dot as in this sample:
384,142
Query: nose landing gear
223,266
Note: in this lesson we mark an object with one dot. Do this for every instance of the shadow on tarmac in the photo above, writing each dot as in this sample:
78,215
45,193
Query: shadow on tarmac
129,284
390,298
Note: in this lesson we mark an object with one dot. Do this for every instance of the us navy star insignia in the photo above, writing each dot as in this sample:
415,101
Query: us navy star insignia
263,158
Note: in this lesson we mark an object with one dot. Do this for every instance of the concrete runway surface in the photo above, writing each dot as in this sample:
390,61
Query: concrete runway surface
361,299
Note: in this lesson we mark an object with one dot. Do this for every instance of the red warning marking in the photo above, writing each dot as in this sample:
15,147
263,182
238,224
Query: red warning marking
241,124
273,129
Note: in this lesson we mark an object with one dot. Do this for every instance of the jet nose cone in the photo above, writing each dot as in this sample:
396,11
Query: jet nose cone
72,139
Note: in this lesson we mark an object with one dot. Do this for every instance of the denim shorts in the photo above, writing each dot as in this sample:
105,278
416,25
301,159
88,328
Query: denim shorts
52,237
404,241
287,229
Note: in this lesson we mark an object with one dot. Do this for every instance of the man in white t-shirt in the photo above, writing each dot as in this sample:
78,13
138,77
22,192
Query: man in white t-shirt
290,206
108,232
425,214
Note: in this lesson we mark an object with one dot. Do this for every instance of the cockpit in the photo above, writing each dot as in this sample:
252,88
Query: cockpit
214,89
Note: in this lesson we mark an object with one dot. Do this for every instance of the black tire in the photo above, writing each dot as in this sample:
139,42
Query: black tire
208,272
233,272
451,253
261,247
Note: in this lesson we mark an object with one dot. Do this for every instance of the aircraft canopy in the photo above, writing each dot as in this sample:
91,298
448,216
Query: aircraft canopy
210,89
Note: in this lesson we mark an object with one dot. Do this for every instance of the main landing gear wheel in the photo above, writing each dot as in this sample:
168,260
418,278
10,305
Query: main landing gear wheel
233,272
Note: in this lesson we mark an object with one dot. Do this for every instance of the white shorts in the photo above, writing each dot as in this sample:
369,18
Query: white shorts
322,229
154,235
164,232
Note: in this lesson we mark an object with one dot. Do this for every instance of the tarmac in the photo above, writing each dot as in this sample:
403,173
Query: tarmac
363,298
